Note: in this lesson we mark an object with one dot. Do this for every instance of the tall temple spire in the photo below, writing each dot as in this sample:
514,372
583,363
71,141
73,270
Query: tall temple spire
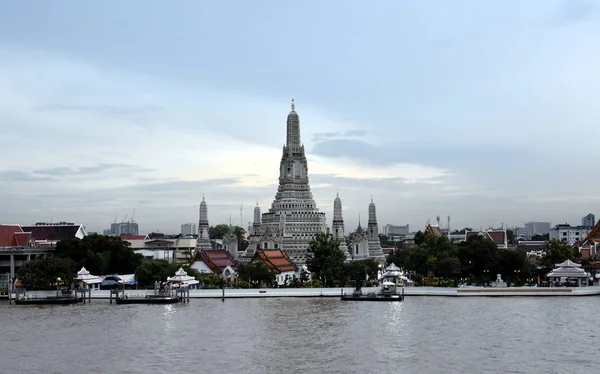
375,250
293,130
203,242
338,225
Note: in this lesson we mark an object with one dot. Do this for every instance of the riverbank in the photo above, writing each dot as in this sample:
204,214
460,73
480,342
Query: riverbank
336,292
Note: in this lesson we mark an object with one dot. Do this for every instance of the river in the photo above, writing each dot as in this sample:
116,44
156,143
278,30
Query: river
293,335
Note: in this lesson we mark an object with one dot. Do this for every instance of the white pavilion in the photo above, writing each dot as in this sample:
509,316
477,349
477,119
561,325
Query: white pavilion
567,272
90,281
182,279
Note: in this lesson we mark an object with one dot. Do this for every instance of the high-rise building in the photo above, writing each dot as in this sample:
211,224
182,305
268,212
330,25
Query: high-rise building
589,220
189,229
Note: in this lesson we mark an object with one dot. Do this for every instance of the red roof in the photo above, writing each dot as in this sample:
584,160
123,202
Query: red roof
134,237
52,233
498,237
276,260
387,251
13,236
216,259
433,230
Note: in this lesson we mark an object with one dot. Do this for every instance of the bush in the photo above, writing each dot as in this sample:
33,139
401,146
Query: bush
243,284
315,284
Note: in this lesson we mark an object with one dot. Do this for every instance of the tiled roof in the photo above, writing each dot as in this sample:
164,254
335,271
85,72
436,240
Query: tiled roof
276,260
217,260
433,230
387,251
13,236
498,237
134,237
52,233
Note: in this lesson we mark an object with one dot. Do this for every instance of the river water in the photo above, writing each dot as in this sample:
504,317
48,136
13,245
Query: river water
292,335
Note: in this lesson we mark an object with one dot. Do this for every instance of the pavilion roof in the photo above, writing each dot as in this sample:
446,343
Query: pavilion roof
568,264
566,272
276,260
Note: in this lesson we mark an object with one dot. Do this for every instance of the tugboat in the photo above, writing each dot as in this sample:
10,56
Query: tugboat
391,281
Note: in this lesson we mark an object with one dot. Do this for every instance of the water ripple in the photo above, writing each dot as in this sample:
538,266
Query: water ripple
321,335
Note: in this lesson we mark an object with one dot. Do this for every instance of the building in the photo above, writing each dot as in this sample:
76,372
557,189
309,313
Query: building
396,233
215,261
360,244
337,227
203,242
588,221
590,245
569,234
375,250
293,219
533,228
122,228
189,229
498,236
48,234
279,263
173,248
17,246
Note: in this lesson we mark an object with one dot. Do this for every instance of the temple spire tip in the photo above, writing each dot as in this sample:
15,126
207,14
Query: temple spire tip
293,104
202,196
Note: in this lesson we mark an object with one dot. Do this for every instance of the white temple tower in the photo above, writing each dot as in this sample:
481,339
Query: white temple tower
230,241
293,215
337,228
360,244
375,250
203,242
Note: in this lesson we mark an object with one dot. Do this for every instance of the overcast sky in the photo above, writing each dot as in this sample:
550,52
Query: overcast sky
487,111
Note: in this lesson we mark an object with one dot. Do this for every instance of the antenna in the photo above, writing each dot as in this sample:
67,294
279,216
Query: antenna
132,215
437,218
448,223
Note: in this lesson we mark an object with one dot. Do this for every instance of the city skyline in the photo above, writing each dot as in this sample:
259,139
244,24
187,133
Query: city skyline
480,111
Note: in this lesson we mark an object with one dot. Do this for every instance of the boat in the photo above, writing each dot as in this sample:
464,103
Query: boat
392,288
48,300
149,299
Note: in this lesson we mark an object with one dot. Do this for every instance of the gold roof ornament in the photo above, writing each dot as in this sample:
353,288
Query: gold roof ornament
293,104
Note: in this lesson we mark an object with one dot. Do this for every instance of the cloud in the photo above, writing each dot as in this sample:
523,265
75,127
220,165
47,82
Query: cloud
573,11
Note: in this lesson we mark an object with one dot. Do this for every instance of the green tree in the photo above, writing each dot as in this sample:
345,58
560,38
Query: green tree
556,253
256,273
218,231
100,254
419,238
41,274
325,259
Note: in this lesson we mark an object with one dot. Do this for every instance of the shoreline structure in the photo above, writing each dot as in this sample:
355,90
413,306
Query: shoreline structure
237,293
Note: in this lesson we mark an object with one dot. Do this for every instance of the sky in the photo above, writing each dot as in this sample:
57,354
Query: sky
486,112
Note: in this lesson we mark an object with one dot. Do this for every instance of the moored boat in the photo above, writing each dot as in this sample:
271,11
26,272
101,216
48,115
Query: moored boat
392,288
49,300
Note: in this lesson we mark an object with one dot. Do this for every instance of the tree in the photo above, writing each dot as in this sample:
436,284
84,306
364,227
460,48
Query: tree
218,231
325,259
256,272
558,252
419,238
41,274
100,254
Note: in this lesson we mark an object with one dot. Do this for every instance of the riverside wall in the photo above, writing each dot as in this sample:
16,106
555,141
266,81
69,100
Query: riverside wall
336,292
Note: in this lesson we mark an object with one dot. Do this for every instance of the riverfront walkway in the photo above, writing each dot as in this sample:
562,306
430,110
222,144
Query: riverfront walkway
336,292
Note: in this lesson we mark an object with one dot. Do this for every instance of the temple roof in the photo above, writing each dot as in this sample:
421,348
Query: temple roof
568,264
276,260
53,233
216,259
13,236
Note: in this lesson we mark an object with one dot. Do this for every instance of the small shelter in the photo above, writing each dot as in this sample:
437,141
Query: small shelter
568,273
86,279
393,276
182,279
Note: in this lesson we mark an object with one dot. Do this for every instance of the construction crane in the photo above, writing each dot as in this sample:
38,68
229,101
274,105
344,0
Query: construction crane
133,215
